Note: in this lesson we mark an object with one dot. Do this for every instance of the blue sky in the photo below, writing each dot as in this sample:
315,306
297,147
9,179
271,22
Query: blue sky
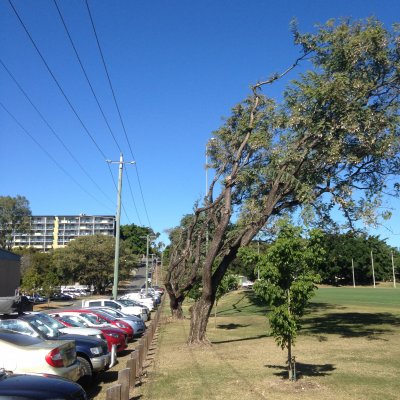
177,67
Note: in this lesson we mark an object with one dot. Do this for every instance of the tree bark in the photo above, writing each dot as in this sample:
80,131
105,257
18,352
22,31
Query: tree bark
175,304
200,313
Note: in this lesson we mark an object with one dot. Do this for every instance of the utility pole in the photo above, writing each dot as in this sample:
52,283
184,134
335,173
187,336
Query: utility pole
394,275
373,269
118,221
147,259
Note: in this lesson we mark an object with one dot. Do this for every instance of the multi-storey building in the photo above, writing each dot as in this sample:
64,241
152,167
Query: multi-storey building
50,232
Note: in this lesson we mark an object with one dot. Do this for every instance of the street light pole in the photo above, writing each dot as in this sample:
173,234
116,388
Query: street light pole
147,259
117,222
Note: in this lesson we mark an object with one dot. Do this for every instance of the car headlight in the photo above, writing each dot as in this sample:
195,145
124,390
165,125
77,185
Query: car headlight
114,335
96,350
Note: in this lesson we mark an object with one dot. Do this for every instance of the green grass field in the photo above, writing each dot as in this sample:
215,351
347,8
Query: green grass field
349,348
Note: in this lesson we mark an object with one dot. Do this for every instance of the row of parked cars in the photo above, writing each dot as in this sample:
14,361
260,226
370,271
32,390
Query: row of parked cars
71,344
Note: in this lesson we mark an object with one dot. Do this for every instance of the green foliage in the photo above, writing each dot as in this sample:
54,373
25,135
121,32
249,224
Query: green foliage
228,283
331,143
287,280
89,260
341,249
14,217
135,238
37,272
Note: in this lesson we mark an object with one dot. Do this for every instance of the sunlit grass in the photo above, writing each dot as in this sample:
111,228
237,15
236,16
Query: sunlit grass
349,348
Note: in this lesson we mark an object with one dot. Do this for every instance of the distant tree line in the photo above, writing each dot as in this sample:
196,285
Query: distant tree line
88,260
342,251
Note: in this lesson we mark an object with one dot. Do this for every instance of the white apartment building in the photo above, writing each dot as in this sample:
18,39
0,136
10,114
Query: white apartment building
50,232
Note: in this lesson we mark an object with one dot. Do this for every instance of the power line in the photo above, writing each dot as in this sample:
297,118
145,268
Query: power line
96,99
134,203
118,109
86,76
56,81
49,155
52,130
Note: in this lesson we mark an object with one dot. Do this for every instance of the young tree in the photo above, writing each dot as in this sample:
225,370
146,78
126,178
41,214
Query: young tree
287,282
332,143
14,217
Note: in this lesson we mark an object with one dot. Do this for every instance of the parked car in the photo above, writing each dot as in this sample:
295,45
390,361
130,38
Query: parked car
33,387
114,336
61,297
138,298
91,352
77,330
107,319
152,293
247,284
36,298
160,290
137,323
27,354
139,311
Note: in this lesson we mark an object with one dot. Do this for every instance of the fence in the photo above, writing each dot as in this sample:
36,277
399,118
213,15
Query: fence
134,366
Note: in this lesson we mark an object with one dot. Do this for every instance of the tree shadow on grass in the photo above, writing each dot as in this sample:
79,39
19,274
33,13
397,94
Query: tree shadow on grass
351,324
304,370
240,340
231,326
323,307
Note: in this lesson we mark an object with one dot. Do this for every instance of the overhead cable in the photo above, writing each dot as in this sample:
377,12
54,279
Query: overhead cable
50,156
117,107
52,130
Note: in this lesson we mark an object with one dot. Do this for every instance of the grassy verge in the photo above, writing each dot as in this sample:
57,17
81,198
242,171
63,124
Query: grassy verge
349,348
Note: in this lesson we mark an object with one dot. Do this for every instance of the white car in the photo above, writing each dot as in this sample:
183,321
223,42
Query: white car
26,354
139,311
54,323
145,301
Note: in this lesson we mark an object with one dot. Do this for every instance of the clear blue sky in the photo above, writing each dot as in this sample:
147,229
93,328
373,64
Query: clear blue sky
176,66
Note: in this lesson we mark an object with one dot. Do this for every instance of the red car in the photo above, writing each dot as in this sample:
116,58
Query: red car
107,320
112,335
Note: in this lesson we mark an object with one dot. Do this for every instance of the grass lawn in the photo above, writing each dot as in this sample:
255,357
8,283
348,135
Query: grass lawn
349,348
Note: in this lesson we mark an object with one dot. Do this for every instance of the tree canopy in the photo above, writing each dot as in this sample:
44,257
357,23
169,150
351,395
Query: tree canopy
14,217
134,237
344,251
330,144
89,260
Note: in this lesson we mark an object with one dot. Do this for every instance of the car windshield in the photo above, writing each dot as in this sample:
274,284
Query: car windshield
114,313
76,322
107,317
47,327
52,322
129,302
95,319
18,338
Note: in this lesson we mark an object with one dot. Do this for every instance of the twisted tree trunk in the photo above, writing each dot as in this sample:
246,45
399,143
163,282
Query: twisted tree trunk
200,314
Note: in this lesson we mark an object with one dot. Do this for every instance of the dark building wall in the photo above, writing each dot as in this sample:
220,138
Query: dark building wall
9,273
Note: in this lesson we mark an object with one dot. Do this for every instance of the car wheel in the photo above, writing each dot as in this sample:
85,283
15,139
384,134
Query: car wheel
86,369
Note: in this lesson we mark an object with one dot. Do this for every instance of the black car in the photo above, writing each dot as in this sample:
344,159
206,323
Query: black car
30,387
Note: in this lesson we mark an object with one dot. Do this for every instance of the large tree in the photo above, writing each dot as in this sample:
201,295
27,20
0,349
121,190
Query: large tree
135,237
14,218
353,249
331,144
89,260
